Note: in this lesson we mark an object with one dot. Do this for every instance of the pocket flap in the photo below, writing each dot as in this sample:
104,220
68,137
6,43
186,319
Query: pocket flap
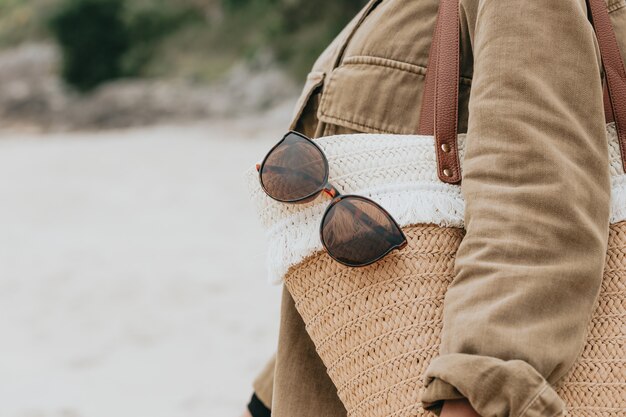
377,95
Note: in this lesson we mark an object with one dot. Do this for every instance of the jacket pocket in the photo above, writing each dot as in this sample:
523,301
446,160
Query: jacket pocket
379,95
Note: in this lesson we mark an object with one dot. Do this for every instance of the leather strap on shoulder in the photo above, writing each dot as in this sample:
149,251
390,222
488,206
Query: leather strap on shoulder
447,93
439,110
614,71
427,112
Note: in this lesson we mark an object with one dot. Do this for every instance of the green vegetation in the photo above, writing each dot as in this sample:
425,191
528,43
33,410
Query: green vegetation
104,39
294,31
193,39
302,29
94,40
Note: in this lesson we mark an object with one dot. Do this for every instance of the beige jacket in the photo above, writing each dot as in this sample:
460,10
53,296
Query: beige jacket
535,182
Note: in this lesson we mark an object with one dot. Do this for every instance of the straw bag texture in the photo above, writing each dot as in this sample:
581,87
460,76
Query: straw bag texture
377,328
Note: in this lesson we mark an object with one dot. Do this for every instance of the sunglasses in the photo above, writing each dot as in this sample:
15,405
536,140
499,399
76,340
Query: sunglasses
354,230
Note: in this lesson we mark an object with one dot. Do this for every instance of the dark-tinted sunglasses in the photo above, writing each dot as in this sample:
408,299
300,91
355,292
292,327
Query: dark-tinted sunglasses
355,231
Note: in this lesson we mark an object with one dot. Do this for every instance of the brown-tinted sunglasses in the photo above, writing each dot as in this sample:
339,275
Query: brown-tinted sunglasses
355,230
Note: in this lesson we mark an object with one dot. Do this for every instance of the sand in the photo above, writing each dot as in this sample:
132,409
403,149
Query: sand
132,279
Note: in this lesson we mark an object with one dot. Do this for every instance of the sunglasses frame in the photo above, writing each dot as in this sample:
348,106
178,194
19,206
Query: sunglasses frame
312,196
336,197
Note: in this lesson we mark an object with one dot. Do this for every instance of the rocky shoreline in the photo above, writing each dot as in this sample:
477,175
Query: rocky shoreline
32,96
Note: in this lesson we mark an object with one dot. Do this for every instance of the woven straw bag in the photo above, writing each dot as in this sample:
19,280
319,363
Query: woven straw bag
377,328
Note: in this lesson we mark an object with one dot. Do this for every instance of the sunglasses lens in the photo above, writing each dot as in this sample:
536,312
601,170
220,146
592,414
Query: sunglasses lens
294,170
356,231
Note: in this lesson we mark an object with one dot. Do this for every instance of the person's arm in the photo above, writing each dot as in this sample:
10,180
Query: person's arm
537,192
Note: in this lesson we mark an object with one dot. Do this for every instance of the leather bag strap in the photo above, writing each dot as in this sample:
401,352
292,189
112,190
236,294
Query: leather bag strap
439,110
614,71
427,115
439,113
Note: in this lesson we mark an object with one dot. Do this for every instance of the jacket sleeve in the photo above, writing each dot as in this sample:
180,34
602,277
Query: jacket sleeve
536,186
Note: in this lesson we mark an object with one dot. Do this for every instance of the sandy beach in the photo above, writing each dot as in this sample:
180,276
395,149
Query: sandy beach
132,280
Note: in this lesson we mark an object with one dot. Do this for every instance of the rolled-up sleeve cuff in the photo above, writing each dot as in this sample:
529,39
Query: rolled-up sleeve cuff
494,387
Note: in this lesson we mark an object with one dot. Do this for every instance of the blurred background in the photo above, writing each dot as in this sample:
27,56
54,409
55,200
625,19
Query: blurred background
132,278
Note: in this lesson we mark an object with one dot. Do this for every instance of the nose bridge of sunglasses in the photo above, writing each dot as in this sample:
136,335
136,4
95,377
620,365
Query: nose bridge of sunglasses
331,191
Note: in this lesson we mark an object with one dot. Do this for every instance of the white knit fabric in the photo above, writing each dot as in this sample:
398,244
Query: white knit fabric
397,171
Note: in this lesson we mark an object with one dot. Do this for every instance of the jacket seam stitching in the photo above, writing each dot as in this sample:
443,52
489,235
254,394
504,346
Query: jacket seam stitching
391,63
544,386
355,123
617,6
364,14
385,62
